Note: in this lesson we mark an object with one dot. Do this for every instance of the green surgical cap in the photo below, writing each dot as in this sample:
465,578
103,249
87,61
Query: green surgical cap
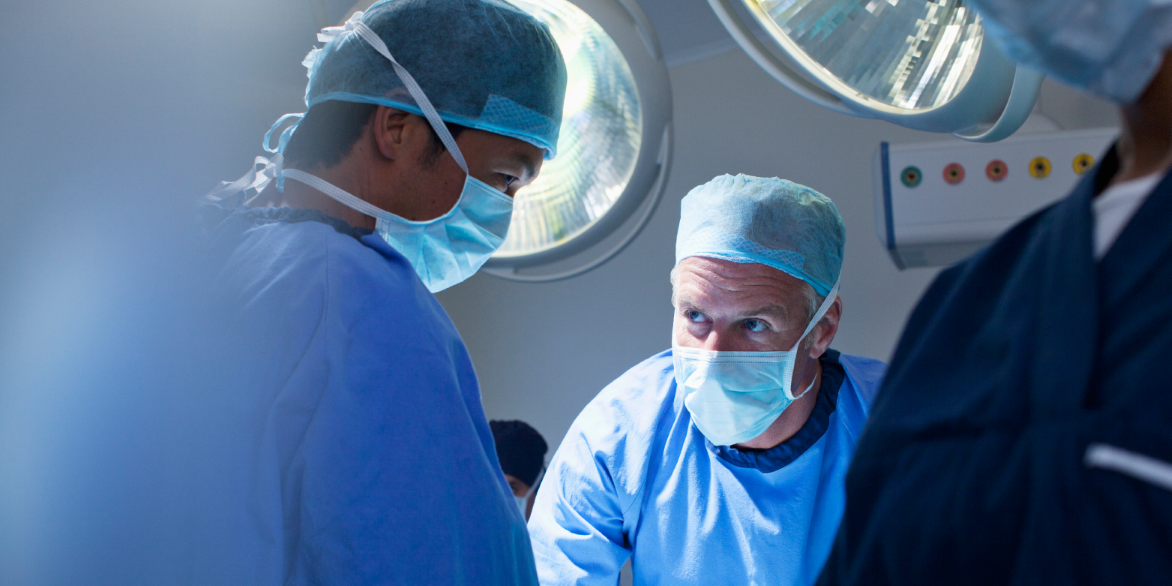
482,63
774,222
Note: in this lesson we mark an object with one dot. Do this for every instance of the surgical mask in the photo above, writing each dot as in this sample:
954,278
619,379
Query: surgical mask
734,397
1110,48
523,501
444,251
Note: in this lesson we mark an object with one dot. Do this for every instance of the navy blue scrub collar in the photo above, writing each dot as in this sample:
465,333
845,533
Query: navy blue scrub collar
778,457
286,215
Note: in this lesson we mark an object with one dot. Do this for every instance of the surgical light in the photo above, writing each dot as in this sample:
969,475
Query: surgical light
613,147
923,64
602,130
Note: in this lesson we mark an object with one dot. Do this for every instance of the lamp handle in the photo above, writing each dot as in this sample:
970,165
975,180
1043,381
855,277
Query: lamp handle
1026,85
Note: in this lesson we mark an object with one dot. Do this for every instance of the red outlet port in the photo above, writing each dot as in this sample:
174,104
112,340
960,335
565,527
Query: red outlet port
953,174
996,170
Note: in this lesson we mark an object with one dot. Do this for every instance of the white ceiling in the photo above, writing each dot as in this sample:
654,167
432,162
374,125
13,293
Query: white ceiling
688,30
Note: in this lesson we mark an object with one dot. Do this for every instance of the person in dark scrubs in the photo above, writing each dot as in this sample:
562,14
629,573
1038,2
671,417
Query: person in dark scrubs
1023,434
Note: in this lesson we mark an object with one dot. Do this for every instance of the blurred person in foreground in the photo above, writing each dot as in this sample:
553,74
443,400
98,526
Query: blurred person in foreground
720,461
521,450
355,449
1023,434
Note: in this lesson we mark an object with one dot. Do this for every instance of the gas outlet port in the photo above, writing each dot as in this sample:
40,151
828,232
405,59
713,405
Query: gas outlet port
953,174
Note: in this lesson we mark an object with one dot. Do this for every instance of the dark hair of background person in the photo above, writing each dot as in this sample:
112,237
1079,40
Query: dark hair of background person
520,449
330,129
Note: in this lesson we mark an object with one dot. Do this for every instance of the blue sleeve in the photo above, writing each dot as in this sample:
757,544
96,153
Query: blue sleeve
577,521
589,502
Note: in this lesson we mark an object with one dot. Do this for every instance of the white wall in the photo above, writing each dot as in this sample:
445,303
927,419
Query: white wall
543,351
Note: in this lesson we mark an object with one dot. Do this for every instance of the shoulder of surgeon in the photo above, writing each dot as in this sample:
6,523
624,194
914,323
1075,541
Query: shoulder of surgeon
321,262
865,375
626,414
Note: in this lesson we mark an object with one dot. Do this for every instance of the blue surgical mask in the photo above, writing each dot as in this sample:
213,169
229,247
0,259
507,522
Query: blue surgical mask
734,397
523,501
444,251
449,249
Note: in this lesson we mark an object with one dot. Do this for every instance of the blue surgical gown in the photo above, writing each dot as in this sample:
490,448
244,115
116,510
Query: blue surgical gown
635,478
351,446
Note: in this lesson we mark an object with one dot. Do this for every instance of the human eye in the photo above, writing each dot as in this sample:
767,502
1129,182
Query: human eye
694,315
508,179
756,325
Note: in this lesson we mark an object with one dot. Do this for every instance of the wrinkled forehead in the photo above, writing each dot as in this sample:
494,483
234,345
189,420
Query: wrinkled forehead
706,281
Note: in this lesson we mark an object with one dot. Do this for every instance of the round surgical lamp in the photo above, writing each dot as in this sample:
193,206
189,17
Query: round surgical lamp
922,64
614,145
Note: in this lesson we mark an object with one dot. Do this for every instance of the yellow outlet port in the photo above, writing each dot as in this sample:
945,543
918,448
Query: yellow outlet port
1040,167
1083,163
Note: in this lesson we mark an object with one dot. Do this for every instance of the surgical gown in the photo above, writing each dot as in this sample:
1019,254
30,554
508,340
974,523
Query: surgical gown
635,478
1017,367
351,446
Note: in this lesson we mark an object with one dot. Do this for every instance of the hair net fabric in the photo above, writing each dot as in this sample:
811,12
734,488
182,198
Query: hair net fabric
520,448
483,63
774,222
1111,48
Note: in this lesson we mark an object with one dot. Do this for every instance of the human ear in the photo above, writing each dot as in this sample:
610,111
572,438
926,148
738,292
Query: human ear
391,133
827,327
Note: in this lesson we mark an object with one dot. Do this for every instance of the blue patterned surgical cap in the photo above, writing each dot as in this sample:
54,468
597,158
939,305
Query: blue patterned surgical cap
483,63
1111,48
774,222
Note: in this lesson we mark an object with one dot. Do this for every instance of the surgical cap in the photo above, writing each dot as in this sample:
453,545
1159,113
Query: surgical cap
520,449
482,63
774,222
1111,48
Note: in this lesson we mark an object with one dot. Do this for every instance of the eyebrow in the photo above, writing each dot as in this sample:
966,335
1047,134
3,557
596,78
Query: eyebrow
774,309
526,163
778,310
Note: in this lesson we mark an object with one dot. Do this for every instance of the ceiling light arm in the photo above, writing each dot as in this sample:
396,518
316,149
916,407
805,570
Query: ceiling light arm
770,63
664,161
643,27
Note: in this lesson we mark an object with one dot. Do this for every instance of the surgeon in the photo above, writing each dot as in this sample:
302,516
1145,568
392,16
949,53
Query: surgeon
720,461
1023,434
354,446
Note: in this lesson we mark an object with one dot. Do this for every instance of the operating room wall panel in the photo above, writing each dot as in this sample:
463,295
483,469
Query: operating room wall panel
543,351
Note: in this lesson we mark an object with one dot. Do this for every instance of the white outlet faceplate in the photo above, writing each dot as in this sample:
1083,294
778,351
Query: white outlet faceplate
930,221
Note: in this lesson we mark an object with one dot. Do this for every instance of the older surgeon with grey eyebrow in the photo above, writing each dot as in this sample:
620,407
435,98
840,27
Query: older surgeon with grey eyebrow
720,461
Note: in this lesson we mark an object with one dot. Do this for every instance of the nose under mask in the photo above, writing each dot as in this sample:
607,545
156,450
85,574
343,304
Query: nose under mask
734,397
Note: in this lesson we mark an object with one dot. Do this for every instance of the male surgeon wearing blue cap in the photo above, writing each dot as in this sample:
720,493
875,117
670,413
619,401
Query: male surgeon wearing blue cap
720,461
1024,432
353,448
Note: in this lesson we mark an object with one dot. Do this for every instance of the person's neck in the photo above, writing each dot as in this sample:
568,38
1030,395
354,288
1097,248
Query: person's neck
793,418
1145,144
300,195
